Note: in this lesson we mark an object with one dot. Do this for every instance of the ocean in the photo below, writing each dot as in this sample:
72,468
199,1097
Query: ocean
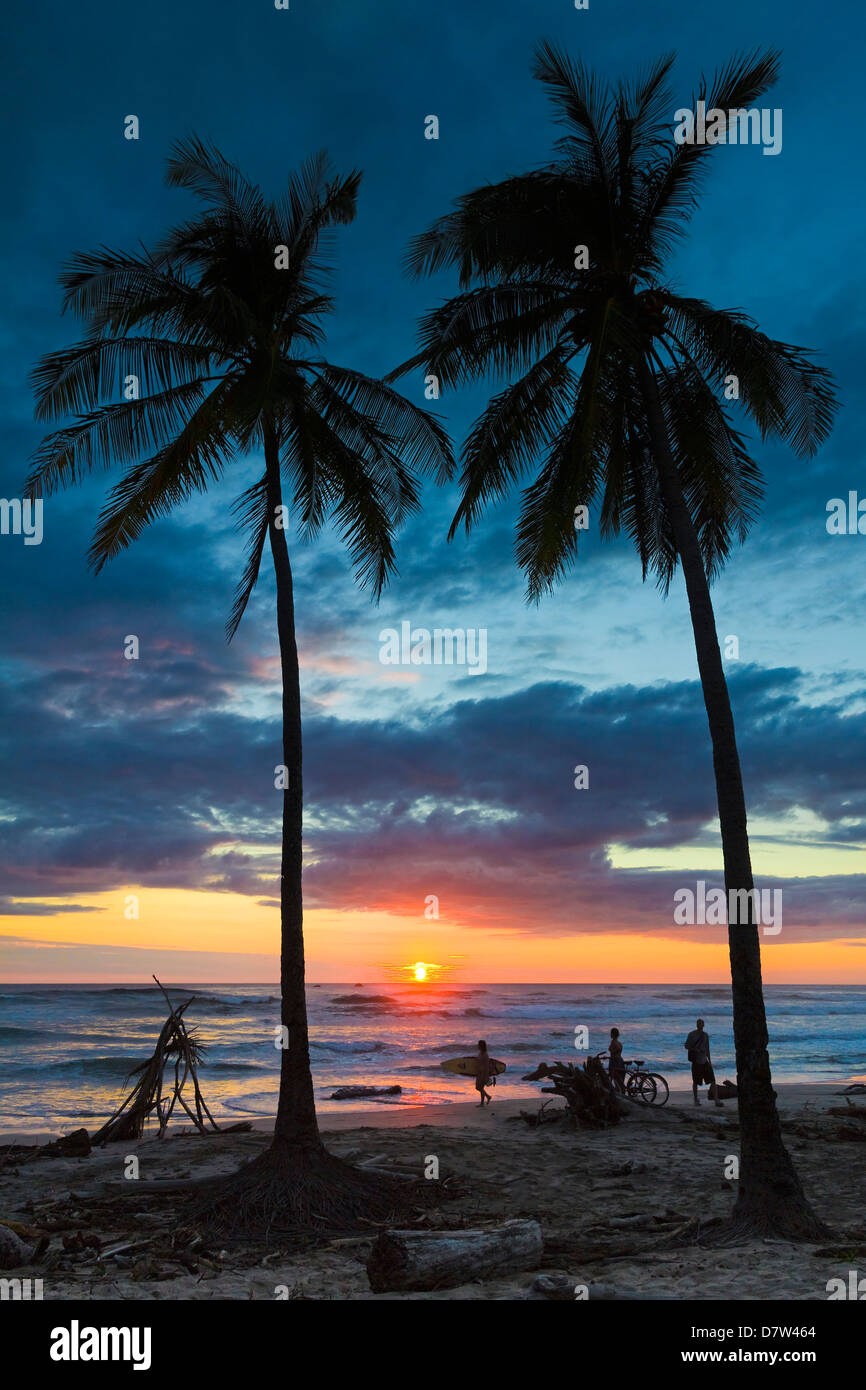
66,1050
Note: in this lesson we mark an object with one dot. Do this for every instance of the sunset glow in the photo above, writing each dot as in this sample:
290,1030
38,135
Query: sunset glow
226,936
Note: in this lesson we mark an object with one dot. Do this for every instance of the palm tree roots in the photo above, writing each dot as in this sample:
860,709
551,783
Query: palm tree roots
292,1190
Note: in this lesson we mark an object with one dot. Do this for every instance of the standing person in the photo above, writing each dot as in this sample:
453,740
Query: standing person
697,1046
484,1071
616,1066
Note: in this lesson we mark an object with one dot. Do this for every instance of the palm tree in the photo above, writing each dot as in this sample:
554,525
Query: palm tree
620,383
217,334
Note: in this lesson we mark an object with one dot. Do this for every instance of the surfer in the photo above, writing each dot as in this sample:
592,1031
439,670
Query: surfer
484,1071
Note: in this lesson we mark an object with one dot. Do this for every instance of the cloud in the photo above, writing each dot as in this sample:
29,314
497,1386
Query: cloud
83,960
474,802
10,908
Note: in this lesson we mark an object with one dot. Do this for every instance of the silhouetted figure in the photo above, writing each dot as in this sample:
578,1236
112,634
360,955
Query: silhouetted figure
616,1066
697,1046
484,1072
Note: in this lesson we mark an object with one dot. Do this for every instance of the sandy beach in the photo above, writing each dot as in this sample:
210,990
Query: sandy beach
613,1204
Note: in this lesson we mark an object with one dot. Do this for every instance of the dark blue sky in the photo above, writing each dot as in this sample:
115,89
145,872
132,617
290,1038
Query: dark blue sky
440,772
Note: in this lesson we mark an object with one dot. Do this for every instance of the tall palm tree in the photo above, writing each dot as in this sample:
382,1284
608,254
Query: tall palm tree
217,334
620,383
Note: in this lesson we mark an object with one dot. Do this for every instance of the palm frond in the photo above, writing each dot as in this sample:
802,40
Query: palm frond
414,435
643,113
253,512
721,482
674,180
785,393
571,476
191,461
494,329
111,434
76,379
507,437
198,165
584,108
344,483
524,227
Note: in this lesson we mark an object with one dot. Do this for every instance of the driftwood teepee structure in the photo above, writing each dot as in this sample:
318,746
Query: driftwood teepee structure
177,1047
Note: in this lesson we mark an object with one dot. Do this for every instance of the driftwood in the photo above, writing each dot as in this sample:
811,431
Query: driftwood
142,1187
424,1260
359,1092
724,1090
74,1145
841,1132
560,1288
586,1091
177,1047
547,1114
14,1252
608,1293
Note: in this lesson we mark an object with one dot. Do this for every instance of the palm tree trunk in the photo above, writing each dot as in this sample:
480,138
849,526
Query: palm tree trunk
295,1185
770,1198
296,1111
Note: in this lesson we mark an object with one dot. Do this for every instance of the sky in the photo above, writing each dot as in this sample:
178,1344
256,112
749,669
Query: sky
139,823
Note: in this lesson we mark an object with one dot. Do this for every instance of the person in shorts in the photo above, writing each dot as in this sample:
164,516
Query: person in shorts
697,1046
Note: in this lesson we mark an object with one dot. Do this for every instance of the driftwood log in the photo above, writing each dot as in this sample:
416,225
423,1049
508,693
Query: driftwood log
586,1091
424,1260
360,1092
723,1090
562,1288
14,1252
74,1145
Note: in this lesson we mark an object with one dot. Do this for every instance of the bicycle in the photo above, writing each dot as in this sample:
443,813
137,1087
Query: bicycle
646,1087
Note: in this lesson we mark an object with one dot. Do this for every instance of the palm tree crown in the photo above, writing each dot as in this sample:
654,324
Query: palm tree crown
578,339
217,344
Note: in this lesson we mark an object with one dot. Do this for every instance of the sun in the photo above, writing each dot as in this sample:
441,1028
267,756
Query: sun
419,972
